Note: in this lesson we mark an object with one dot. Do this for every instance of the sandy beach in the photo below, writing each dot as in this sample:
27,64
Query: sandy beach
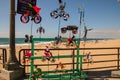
87,44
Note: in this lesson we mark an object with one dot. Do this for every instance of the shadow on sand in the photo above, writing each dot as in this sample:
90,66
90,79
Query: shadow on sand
103,75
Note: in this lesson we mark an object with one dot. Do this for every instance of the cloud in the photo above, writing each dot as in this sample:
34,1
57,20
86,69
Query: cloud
105,33
91,34
4,34
118,0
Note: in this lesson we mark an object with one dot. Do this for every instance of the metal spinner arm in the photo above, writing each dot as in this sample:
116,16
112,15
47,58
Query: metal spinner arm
59,12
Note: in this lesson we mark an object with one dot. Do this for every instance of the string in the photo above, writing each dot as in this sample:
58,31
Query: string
40,33
31,27
59,33
30,33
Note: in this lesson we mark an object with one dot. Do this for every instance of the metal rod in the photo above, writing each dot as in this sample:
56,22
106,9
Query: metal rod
59,27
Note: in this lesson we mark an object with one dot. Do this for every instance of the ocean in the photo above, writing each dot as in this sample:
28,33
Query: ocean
5,41
21,41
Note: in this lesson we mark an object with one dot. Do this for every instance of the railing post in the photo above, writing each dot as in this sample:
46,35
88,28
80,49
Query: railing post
24,61
19,57
3,55
118,59
73,57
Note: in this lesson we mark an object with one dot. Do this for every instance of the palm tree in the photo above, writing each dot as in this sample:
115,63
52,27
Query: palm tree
40,30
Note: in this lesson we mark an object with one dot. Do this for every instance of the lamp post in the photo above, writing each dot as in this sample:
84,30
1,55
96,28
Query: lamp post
12,66
12,63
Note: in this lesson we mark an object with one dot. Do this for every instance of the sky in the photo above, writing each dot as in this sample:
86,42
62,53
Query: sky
101,15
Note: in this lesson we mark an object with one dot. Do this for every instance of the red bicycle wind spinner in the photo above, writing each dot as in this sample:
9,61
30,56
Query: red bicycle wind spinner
34,13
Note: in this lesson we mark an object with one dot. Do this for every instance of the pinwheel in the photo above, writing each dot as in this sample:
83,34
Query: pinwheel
28,38
59,12
40,30
85,32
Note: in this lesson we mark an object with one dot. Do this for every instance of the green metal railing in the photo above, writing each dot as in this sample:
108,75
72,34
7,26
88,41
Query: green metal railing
77,56
22,51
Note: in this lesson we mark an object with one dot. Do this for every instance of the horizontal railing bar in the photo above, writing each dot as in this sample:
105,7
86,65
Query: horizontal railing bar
62,56
50,64
100,67
104,54
100,48
2,48
101,61
74,48
73,63
47,39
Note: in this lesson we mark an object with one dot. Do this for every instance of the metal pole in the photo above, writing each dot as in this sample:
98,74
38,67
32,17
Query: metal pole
59,26
12,63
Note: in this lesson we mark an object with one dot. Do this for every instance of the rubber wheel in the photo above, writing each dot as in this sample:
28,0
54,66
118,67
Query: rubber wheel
24,19
37,18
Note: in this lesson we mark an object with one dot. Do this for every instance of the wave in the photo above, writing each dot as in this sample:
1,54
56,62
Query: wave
24,44
4,42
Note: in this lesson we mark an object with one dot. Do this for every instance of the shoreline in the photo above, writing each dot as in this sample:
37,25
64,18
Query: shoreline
21,41
26,44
